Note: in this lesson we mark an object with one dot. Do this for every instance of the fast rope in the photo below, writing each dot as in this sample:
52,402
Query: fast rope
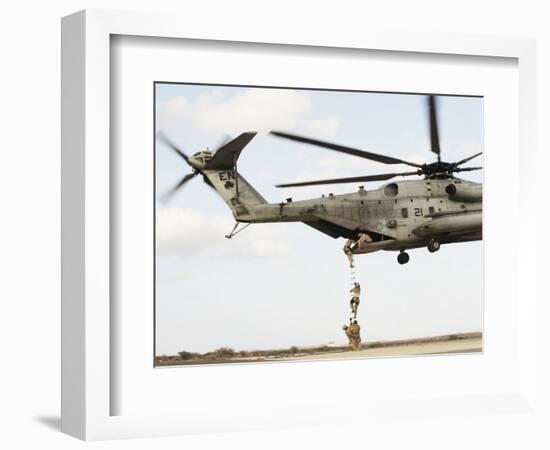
352,329
353,276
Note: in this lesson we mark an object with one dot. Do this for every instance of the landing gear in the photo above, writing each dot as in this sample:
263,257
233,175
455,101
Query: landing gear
433,246
403,257
234,231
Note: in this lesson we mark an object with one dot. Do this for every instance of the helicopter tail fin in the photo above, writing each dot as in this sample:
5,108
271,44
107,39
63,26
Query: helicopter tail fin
221,174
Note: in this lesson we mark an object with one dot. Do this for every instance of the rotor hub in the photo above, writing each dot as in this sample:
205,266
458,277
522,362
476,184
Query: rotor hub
200,159
438,170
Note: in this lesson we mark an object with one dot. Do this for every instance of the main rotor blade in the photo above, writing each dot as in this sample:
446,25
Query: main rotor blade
162,137
462,161
379,177
434,132
350,151
466,169
168,194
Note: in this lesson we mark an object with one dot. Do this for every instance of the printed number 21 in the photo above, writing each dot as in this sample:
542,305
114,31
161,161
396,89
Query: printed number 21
418,212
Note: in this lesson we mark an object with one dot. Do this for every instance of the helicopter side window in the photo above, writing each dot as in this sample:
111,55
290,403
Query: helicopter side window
404,213
391,190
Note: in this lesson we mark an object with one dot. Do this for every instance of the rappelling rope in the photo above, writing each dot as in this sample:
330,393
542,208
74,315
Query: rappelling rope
352,282
353,336
353,277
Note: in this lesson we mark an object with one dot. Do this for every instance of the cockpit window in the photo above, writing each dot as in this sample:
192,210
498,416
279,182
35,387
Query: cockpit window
391,190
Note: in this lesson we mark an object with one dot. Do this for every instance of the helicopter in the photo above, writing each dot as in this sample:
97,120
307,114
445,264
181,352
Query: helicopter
398,216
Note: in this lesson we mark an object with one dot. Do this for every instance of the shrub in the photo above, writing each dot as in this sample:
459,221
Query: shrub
187,355
224,352
293,350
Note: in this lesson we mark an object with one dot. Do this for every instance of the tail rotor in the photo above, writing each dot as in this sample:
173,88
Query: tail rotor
166,196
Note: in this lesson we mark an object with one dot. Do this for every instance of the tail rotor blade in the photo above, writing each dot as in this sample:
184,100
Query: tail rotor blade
168,194
164,139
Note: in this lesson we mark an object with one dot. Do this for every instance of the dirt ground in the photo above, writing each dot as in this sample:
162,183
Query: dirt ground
470,343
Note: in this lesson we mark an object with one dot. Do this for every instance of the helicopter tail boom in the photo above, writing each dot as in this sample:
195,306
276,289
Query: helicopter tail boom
221,173
236,191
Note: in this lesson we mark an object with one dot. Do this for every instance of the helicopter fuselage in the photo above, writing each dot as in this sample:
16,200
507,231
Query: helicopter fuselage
397,216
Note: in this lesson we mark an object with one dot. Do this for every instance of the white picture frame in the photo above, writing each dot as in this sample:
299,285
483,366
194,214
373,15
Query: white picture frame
86,319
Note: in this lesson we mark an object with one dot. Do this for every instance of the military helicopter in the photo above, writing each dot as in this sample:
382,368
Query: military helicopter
398,216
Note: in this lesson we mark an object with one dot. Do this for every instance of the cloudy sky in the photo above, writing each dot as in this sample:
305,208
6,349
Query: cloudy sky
277,285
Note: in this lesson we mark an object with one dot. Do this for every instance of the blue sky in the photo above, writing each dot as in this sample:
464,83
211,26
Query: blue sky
277,285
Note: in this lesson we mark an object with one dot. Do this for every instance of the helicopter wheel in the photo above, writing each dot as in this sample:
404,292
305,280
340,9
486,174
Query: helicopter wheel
433,246
403,258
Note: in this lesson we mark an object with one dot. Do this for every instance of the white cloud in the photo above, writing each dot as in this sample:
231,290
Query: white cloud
186,232
264,246
259,110
183,231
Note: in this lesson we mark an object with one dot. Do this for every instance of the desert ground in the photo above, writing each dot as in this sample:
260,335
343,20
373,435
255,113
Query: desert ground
468,345
448,344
